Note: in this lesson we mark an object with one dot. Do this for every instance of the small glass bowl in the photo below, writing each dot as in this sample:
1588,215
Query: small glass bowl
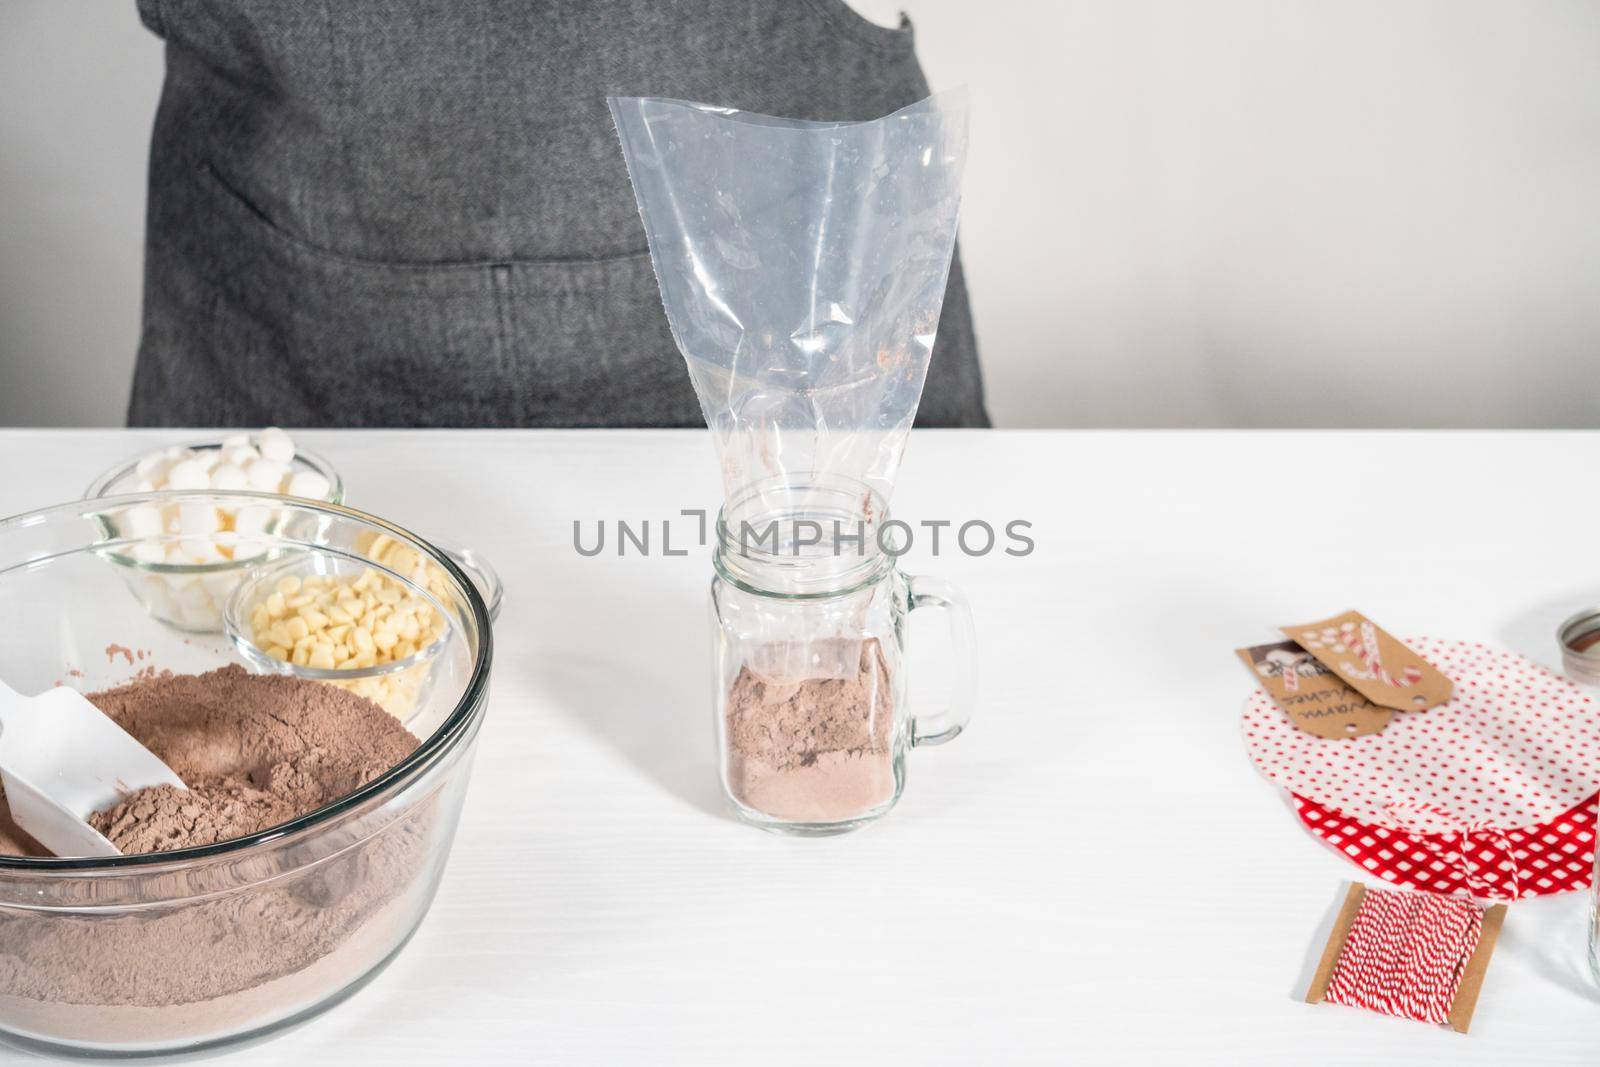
124,476
399,687
482,573
190,596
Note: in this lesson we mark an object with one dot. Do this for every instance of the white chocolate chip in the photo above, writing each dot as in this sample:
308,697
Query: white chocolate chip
346,623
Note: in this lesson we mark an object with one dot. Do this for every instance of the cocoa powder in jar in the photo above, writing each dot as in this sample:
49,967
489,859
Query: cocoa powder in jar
813,749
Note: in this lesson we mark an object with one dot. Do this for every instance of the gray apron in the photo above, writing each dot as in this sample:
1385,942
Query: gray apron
415,212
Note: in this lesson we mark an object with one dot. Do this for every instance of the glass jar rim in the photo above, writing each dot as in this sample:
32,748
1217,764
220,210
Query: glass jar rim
803,536
458,724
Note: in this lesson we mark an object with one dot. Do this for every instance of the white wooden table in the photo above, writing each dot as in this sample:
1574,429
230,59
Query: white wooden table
1093,873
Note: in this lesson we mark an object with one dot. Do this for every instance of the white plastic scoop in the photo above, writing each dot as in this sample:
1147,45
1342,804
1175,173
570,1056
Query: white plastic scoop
62,760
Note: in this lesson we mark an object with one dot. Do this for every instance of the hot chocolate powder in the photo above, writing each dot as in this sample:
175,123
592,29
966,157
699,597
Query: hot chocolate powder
813,750
257,750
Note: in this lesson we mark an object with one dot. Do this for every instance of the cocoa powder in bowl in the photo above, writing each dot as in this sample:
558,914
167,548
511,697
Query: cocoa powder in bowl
233,945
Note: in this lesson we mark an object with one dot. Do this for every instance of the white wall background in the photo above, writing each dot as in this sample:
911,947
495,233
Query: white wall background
1232,212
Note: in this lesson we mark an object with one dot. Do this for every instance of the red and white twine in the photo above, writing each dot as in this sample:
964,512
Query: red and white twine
1405,954
1465,831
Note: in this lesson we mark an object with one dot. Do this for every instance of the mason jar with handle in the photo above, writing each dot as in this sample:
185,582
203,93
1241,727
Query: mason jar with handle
809,613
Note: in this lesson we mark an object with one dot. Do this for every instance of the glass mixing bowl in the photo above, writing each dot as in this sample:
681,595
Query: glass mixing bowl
184,949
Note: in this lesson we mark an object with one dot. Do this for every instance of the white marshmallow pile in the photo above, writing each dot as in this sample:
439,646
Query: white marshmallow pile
265,465
207,534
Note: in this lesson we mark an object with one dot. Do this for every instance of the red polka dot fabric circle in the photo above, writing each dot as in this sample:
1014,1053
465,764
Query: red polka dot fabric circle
1536,861
1515,746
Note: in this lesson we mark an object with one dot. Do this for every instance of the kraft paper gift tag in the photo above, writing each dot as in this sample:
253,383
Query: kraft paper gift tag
1372,662
1310,694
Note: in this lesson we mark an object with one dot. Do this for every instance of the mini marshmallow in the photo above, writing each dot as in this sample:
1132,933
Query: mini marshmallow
144,485
251,519
148,552
141,521
196,596
228,476
240,456
308,484
208,458
151,466
177,583
221,584
275,445
266,475
197,519
237,440
187,474
200,550
158,600
248,548
199,617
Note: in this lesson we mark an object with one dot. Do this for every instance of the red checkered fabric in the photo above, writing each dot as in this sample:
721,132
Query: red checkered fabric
1533,861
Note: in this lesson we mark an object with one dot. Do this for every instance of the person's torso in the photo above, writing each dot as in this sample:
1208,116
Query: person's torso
415,211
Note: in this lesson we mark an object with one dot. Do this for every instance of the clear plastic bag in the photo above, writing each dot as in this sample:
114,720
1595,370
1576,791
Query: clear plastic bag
802,266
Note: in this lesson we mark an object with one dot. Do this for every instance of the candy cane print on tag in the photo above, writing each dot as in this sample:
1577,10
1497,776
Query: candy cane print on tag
1372,662
1380,667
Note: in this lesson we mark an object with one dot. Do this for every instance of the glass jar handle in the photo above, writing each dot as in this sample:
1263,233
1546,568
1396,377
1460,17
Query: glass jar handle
936,729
